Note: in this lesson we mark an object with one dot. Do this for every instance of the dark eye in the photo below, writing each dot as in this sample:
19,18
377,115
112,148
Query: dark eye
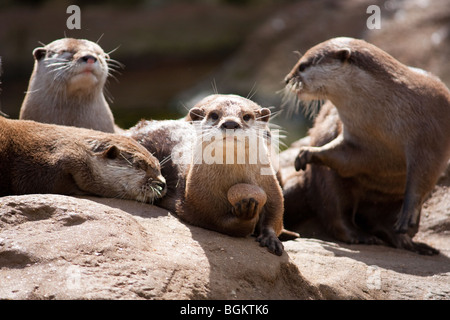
214,116
302,67
247,117
65,55
52,54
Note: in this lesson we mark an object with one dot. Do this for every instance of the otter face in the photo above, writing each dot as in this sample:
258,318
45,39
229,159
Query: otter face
229,116
80,65
322,69
127,170
228,112
227,127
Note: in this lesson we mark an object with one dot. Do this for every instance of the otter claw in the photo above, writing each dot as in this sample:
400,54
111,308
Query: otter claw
273,244
267,238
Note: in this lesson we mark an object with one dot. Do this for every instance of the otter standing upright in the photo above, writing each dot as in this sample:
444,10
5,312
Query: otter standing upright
66,86
391,144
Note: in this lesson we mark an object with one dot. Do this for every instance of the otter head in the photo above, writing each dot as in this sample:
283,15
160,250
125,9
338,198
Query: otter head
342,67
122,168
73,65
323,70
232,119
229,112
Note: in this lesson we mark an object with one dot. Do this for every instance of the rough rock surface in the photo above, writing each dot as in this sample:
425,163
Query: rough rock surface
60,247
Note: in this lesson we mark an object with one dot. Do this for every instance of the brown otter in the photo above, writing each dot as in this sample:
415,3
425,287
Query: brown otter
209,152
376,154
66,86
45,158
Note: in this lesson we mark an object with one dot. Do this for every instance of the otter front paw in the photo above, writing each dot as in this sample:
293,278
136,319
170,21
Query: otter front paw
246,208
402,224
270,240
303,158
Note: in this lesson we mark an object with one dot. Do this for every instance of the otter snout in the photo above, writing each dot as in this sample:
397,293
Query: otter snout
160,183
293,76
230,124
288,78
88,59
158,186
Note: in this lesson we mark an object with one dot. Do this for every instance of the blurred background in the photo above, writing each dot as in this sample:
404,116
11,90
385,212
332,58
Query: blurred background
176,52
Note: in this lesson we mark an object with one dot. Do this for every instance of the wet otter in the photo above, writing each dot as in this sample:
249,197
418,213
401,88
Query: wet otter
386,142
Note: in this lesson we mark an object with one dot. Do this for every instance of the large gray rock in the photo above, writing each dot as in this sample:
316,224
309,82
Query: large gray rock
59,247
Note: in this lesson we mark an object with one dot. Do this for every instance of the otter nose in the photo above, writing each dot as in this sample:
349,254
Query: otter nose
160,183
288,78
88,59
230,125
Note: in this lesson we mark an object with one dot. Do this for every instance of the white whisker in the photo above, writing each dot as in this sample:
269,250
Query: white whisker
252,92
98,40
113,50
214,86
129,162
115,63
165,160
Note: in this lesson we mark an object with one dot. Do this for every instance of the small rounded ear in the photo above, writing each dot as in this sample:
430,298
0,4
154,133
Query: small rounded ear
111,153
264,114
344,54
195,114
39,53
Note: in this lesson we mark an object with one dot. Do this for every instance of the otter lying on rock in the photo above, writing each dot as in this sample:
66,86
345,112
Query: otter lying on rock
44,158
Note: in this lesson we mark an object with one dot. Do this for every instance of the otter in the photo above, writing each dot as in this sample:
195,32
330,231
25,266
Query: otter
67,84
377,147
45,158
206,154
